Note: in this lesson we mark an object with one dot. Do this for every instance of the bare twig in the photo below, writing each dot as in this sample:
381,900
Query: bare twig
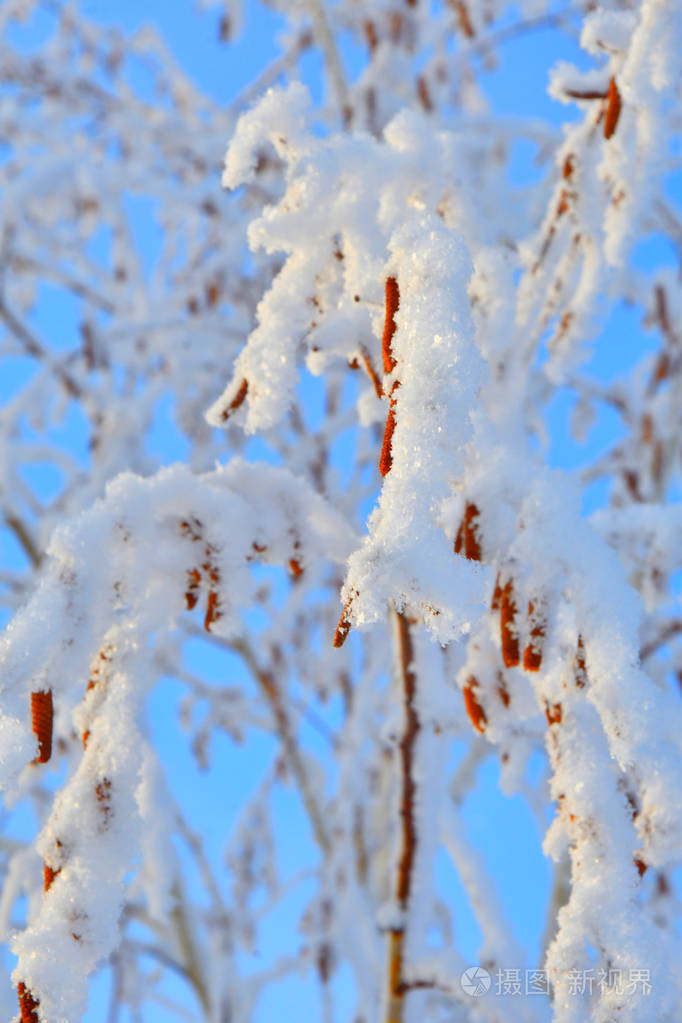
521,28
21,262
293,755
331,54
24,537
672,628
396,988
35,349
274,72
192,969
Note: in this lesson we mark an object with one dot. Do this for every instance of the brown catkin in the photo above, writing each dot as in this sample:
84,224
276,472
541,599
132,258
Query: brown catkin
508,634
423,94
532,655
502,690
212,612
343,628
371,35
192,592
27,1004
553,713
386,457
579,664
476,713
464,19
42,715
466,541
613,105
392,303
236,401
49,874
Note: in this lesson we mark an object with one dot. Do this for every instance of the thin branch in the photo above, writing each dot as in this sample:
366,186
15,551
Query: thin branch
271,74
28,544
396,988
116,989
306,712
672,628
154,952
521,28
464,777
21,262
172,1006
187,944
203,865
35,349
292,753
561,890
331,55
274,696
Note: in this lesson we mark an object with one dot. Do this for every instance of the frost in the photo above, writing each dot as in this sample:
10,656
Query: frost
369,567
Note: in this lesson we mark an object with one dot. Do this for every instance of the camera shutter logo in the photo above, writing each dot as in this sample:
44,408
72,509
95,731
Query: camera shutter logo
475,981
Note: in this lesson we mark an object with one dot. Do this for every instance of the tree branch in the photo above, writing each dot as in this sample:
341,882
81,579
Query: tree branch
274,696
28,544
331,54
408,838
35,349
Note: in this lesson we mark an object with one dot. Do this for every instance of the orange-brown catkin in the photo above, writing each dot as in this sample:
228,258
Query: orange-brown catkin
236,401
343,628
392,303
192,592
579,665
27,1004
508,634
49,874
473,708
463,18
553,713
532,655
466,541
386,456
613,105
212,610
42,715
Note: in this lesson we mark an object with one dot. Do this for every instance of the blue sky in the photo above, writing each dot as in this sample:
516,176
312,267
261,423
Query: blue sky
502,828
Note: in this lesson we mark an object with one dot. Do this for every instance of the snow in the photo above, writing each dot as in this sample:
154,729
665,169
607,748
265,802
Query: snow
441,306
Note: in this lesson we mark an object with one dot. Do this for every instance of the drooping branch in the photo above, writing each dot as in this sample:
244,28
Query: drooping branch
177,517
